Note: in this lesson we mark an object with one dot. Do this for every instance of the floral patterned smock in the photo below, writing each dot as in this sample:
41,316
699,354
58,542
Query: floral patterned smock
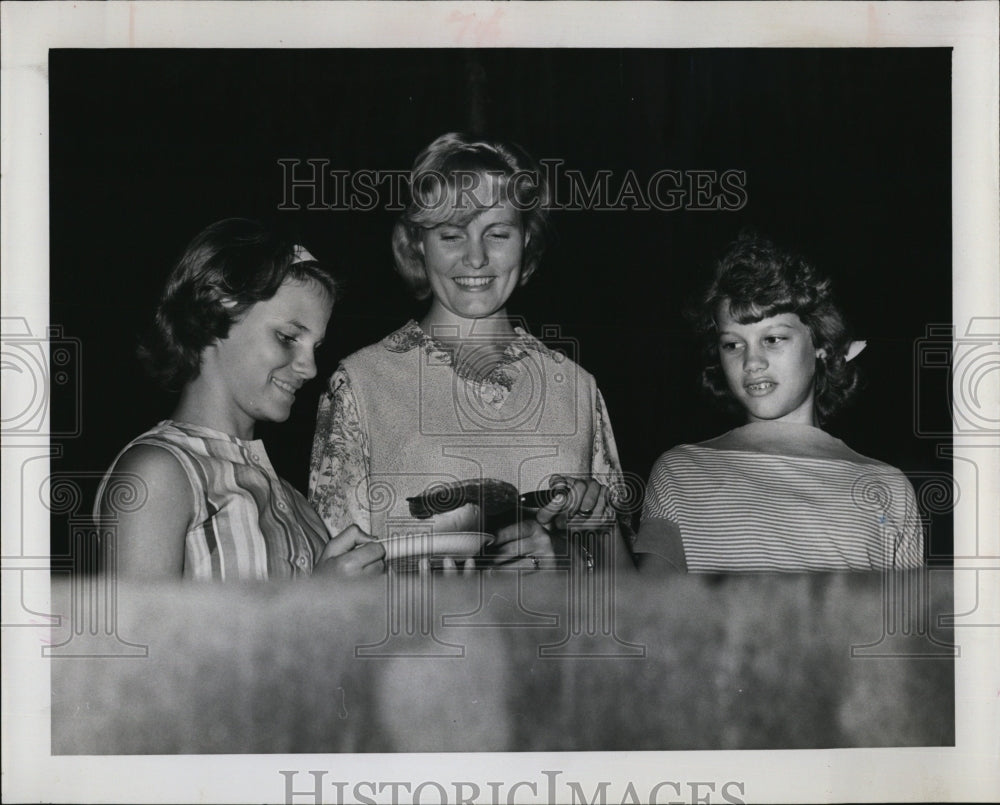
397,417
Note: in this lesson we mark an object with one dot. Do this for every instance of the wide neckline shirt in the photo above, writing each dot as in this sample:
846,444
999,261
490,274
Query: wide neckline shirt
782,497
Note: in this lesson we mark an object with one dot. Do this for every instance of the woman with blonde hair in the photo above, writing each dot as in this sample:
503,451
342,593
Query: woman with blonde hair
465,393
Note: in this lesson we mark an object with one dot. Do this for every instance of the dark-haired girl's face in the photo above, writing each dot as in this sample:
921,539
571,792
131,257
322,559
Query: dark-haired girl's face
268,354
770,366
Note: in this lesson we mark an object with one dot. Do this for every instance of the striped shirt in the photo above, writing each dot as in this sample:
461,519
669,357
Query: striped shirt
247,524
743,511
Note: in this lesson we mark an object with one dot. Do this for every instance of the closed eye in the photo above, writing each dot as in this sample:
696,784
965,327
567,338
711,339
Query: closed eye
286,338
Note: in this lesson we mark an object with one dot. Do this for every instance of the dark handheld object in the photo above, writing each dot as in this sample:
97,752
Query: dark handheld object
540,498
492,496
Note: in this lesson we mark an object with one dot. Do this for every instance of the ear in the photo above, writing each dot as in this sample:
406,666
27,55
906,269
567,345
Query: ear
227,302
820,354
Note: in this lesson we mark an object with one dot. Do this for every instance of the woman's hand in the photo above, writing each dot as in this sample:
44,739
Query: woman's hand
351,553
465,518
585,504
528,544
582,507
449,566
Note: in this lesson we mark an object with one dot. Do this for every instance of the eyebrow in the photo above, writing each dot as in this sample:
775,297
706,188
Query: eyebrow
776,324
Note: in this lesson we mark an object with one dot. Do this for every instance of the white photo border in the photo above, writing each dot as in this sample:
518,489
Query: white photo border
966,772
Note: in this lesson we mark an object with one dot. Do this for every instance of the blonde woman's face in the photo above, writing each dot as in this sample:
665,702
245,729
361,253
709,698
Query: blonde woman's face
473,268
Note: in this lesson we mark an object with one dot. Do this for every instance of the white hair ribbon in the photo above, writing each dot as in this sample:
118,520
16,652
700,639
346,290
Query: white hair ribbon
302,255
855,349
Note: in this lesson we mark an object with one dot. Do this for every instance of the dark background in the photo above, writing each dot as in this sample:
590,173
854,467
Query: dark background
847,155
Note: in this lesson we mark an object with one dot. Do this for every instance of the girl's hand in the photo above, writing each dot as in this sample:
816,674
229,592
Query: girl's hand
351,553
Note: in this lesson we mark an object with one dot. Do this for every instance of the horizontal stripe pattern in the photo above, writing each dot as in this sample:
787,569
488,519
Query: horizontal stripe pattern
740,511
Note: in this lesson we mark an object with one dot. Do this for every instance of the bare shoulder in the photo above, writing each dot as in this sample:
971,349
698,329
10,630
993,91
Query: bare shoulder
152,464
163,481
153,523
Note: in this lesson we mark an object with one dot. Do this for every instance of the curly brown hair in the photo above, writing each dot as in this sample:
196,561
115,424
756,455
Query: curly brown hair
758,280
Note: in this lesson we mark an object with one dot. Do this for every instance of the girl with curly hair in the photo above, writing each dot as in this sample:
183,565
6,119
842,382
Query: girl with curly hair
778,493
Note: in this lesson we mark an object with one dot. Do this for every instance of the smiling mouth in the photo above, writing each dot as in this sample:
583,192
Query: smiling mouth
472,283
760,387
288,388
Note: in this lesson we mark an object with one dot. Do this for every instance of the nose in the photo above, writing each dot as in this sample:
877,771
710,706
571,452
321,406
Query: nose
475,254
305,364
754,359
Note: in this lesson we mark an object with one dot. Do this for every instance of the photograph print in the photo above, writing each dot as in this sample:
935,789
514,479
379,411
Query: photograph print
503,400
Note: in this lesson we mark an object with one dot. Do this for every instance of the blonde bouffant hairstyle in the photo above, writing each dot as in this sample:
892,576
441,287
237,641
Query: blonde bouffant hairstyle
443,175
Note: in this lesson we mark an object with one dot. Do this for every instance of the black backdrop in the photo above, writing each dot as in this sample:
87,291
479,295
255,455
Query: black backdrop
846,154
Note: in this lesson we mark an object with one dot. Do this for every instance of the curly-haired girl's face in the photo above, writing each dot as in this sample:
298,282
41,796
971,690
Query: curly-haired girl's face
269,353
770,366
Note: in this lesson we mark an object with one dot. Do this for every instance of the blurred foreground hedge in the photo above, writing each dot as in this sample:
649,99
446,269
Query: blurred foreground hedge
506,663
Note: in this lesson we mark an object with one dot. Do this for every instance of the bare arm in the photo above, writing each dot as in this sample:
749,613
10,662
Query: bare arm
662,548
150,539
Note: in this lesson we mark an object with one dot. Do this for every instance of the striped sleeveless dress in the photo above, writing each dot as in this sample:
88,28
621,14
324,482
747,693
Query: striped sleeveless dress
248,523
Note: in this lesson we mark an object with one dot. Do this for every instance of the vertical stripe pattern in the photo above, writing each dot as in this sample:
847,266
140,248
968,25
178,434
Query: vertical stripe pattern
248,523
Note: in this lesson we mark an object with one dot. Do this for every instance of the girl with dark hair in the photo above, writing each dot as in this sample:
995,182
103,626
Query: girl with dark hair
235,333
778,493
465,393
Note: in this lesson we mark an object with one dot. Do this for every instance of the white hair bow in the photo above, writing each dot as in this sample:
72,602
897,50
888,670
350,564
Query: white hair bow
855,349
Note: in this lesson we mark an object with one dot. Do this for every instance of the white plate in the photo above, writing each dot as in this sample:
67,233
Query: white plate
457,544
